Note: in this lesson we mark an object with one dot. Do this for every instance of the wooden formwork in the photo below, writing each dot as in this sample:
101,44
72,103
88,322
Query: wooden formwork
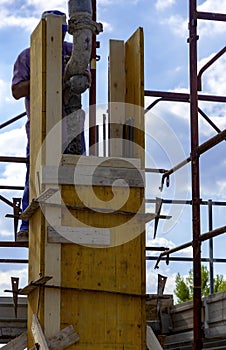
98,288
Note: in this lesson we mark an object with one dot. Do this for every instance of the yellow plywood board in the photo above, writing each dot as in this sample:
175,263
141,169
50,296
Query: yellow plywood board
134,67
38,101
37,129
117,89
46,111
103,321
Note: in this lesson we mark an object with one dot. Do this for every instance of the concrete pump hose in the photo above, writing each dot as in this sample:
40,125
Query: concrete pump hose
81,27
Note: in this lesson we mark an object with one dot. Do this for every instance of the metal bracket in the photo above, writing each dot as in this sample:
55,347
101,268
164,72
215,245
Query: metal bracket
158,208
16,213
15,290
161,284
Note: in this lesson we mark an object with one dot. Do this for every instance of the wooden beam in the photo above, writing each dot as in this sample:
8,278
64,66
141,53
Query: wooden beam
63,339
92,176
90,236
116,162
37,333
151,340
117,89
134,67
37,136
34,284
53,151
18,343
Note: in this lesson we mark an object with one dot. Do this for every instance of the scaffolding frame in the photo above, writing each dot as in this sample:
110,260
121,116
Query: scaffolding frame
196,151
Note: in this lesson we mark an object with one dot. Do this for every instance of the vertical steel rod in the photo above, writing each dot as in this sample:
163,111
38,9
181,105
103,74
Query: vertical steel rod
197,321
92,95
210,212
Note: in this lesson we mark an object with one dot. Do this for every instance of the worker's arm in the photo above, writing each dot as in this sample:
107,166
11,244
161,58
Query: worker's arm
21,89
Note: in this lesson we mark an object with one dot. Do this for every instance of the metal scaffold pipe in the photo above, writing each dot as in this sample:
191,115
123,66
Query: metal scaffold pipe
197,302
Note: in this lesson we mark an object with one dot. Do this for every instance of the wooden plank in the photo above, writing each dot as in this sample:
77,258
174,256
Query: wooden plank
117,88
46,111
63,339
134,67
18,343
37,333
52,260
151,340
34,205
94,176
115,162
90,236
34,284
37,136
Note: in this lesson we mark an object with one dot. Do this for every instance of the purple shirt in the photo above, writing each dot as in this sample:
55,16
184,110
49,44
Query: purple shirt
21,72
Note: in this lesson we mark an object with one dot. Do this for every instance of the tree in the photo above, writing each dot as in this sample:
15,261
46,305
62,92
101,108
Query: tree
184,286
182,290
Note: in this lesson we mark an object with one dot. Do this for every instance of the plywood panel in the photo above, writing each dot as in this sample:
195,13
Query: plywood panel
53,155
46,111
38,130
117,89
134,67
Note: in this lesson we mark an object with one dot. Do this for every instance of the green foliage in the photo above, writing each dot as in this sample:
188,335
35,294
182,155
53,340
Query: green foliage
182,290
184,286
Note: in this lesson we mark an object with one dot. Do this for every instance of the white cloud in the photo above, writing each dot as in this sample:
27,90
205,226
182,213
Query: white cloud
214,81
213,6
177,24
13,142
107,27
13,175
3,91
160,242
211,28
162,5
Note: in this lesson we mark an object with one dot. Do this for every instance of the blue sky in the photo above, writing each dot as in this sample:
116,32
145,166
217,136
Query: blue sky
165,24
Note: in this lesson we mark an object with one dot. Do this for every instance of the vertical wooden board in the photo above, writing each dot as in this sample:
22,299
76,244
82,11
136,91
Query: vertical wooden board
134,63
37,101
53,90
52,260
134,66
37,135
116,96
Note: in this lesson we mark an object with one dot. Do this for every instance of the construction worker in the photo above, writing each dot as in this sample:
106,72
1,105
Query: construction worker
21,88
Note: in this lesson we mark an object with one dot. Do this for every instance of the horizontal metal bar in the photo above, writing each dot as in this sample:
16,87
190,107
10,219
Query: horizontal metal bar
16,188
154,170
202,238
13,159
180,201
13,120
156,249
211,16
213,233
180,97
13,261
9,244
186,259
